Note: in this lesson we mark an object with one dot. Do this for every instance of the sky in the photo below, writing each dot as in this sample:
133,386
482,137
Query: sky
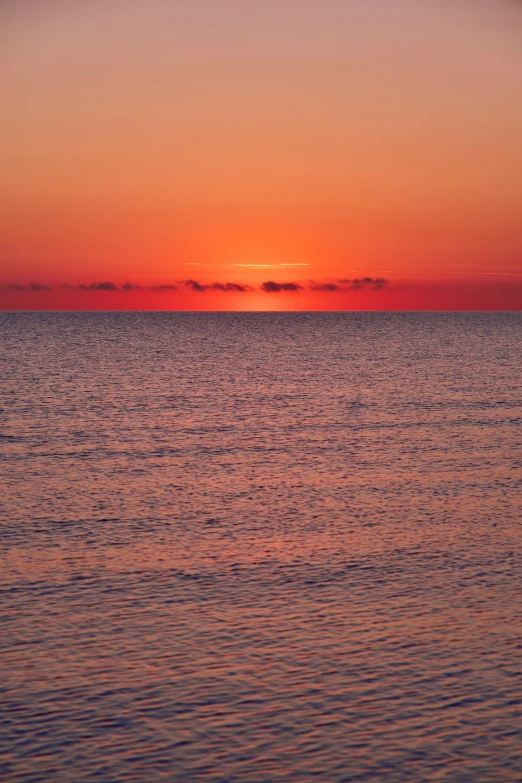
261,154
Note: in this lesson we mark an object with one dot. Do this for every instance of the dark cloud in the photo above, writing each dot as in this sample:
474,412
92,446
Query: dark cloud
359,283
30,287
195,286
231,287
99,287
270,286
330,287
375,283
109,286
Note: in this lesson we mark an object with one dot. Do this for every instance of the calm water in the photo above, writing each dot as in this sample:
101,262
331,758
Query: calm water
256,548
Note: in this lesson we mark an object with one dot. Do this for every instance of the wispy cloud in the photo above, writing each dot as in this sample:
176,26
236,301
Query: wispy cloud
268,266
360,283
99,287
492,273
326,287
352,284
29,287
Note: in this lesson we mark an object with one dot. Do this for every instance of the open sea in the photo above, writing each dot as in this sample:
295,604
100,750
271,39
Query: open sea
260,547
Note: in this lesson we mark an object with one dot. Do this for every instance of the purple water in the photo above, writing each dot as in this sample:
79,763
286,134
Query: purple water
260,547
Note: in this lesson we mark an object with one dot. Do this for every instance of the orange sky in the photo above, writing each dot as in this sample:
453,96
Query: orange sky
228,141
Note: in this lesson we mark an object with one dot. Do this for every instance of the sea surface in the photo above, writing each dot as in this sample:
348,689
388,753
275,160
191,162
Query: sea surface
260,547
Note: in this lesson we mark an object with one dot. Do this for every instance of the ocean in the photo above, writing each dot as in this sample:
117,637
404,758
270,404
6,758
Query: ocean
260,547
